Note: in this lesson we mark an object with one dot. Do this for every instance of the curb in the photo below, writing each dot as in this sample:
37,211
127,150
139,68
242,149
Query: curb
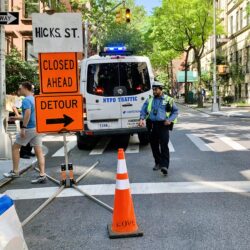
5,181
216,114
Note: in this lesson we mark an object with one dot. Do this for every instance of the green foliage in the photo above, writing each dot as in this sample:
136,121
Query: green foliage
17,71
236,73
55,5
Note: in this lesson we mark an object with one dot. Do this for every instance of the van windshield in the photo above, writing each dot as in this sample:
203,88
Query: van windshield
118,79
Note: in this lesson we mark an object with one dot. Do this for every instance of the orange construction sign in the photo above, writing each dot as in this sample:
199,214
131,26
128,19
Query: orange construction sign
59,113
58,73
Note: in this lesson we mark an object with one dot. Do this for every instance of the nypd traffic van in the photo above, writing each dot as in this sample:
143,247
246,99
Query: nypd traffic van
114,85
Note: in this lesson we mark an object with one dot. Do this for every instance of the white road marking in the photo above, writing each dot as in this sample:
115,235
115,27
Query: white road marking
199,143
171,147
137,188
60,152
204,115
57,138
100,146
247,136
133,145
235,145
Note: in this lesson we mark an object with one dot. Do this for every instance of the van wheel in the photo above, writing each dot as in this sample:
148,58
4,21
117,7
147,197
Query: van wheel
85,142
144,138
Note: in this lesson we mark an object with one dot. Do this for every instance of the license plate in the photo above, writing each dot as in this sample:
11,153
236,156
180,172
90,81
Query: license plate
104,125
132,124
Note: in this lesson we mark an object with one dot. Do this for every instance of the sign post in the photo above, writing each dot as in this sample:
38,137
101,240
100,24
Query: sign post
56,110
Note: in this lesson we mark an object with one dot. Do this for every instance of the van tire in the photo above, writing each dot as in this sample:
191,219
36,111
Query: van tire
144,138
85,142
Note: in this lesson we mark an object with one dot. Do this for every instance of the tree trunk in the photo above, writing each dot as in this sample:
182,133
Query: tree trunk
200,99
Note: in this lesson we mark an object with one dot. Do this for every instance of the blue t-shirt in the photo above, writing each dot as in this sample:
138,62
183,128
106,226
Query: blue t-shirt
29,103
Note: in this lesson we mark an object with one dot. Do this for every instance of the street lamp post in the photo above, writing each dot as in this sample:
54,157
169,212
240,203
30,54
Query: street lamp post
215,105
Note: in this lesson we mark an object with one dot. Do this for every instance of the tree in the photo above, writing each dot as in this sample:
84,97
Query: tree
184,26
17,71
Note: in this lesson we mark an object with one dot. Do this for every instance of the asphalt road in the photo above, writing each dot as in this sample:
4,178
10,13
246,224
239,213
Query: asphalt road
202,204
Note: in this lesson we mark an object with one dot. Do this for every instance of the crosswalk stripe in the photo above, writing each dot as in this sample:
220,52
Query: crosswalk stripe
247,136
137,188
60,152
199,143
58,138
235,145
171,147
134,145
100,146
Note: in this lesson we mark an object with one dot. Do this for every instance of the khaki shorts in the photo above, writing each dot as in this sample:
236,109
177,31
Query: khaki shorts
30,137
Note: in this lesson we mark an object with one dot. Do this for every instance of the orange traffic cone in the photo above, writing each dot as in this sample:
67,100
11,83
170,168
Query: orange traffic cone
124,220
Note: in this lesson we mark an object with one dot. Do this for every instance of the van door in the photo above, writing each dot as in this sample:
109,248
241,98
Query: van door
135,79
102,106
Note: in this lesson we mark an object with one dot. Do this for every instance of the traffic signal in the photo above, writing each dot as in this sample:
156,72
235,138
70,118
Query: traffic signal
128,16
118,16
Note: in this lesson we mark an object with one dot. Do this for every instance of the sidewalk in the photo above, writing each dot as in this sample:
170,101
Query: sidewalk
239,112
6,166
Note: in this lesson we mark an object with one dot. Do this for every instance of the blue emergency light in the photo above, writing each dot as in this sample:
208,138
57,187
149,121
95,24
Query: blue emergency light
107,49
119,50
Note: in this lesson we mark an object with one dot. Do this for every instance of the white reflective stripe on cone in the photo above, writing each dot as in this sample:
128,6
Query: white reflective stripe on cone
122,184
122,167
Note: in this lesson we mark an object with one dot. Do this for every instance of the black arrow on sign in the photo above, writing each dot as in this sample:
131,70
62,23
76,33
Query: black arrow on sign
66,120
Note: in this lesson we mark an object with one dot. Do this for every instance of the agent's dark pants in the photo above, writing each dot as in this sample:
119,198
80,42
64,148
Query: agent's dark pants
159,138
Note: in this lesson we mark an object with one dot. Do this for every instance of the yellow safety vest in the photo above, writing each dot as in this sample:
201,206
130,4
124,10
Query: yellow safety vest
167,99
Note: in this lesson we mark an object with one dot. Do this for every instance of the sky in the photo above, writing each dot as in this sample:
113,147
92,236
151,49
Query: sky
149,4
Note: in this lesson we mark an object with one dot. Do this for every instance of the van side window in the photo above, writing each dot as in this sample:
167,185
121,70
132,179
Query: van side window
107,78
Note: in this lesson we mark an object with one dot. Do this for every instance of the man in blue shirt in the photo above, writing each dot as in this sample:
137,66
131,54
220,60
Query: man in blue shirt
159,113
28,135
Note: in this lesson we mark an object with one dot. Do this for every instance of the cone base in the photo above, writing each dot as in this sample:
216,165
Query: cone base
114,235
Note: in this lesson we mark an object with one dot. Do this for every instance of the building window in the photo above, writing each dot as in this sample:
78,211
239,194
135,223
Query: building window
241,18
33,6
248,13
6,2
248,60
232,24
237,21
240,57
30,55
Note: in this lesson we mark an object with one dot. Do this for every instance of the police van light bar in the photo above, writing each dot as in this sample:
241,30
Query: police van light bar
116,51
107,49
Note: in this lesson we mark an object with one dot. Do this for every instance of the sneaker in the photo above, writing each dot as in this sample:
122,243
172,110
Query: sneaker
11,174
156,167
164,171
39,180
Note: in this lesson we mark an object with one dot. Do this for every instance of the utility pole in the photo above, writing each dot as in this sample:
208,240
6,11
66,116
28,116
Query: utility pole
215,105
4,141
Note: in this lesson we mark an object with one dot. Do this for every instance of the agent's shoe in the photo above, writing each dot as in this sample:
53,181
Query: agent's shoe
11,174
39,180
164,171
156,167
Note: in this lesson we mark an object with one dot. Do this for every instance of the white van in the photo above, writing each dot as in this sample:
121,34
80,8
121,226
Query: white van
114,89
